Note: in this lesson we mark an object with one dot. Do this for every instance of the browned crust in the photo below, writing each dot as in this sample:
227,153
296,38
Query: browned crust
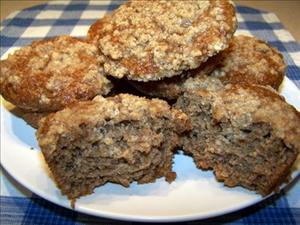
122,62
31,118
50,74
249,60
93,32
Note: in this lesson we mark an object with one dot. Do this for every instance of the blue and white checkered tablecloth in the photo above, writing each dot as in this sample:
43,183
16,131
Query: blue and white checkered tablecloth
20,206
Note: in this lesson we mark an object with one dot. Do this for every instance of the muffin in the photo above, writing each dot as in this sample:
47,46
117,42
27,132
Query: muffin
151,40
50,74
119,139
247,134
249,60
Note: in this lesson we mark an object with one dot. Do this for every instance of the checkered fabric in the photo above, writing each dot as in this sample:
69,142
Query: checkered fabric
19,206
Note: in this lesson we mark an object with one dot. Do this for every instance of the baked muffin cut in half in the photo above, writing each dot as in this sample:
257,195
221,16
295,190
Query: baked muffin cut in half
50,74
120,139
151,40
247,134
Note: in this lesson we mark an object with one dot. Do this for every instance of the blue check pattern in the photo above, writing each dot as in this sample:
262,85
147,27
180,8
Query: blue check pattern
74,18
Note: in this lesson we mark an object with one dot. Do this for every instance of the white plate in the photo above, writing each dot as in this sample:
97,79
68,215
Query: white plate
195,194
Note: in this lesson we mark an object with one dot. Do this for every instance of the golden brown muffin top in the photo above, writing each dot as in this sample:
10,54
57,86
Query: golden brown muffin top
250,60
50,74
150,40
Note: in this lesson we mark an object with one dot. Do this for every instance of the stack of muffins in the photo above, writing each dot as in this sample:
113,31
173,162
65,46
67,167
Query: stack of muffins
218,99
